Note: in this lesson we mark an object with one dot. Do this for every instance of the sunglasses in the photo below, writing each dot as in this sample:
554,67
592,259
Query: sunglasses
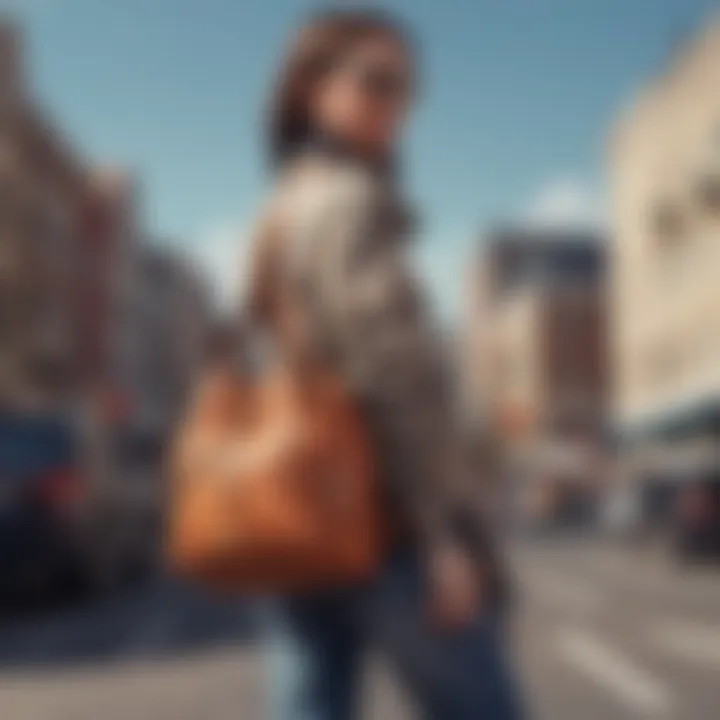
381,82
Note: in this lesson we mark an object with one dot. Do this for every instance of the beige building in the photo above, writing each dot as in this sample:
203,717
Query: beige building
664,176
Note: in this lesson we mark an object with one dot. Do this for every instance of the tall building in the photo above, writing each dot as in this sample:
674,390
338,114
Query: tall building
110,244
99,332
163,339
664,173
537,349
42,195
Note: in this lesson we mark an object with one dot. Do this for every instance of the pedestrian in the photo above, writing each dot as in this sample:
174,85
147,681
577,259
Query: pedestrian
435,608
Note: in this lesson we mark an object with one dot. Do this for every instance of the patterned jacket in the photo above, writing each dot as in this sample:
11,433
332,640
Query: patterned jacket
343,251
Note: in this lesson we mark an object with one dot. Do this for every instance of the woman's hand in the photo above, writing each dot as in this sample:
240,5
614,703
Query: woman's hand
455,588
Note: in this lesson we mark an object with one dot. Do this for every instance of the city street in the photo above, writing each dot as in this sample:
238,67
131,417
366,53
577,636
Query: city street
602,635
518,308
607,635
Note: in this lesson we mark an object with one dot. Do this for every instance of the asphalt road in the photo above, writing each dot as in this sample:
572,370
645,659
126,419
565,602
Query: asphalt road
607,634
601,634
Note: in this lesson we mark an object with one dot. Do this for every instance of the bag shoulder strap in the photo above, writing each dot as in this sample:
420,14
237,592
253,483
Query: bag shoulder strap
263,297
270,296
267,291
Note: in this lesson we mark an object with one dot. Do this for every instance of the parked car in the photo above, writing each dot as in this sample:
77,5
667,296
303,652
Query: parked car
124,525
78,512
697,518
681,509
40,494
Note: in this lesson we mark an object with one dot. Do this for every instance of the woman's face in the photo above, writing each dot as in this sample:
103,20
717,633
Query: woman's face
365,97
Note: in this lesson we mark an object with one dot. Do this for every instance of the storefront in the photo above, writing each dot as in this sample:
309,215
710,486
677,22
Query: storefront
674,465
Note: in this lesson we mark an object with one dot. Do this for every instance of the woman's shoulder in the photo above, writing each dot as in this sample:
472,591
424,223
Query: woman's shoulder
317,193
318,184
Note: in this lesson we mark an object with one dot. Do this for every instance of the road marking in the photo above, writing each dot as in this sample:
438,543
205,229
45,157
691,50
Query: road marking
651,571
689,641
569,595
632,685
631,571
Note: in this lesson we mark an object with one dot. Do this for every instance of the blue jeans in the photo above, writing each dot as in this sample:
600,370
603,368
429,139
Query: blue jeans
317,646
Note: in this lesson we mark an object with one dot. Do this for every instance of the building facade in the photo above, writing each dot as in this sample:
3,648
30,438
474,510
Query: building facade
164,336
664,173
98,329
539,351
42,195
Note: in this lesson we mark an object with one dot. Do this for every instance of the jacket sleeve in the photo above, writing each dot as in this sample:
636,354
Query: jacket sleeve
392,357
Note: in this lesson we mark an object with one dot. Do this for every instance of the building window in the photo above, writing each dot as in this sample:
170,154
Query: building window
667,224
708,192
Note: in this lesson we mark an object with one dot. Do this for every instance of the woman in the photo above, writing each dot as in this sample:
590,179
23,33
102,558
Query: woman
340,232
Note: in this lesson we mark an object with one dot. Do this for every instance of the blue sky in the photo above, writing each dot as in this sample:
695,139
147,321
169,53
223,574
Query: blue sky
518,98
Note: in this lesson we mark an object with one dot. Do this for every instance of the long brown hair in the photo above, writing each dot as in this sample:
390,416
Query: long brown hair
315,51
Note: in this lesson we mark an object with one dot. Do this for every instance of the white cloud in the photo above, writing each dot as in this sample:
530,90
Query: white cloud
565,203
223,251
